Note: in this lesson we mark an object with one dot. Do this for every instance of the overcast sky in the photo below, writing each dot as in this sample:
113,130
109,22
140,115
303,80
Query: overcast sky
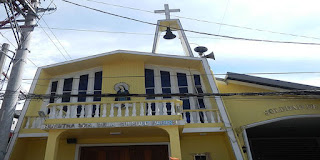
286,16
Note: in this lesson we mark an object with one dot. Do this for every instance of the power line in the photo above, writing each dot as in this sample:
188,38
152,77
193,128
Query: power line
224,14
206,21
291,93
99,31
191,31
32,62
8,40
52,42
112,32
56,38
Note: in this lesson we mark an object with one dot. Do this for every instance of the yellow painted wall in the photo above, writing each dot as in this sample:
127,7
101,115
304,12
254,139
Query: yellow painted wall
41,88
216,145
67,151
244,110
29,149
130,72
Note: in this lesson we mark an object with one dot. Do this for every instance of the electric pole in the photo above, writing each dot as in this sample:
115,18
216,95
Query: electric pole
14,83
4,51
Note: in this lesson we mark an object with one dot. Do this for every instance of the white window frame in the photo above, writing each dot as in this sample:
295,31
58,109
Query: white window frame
174,83
75,85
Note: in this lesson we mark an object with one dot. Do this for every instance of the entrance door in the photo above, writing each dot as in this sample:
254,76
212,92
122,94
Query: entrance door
143,152
286,140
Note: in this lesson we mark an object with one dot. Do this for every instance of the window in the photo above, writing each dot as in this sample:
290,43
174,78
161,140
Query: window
82,90
54,86
200,157
183,88
97,90
165,83
83,86
149,82
97,86
198,88
67,88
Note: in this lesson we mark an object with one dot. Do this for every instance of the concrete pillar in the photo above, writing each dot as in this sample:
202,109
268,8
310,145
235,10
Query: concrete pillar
53,144
174,136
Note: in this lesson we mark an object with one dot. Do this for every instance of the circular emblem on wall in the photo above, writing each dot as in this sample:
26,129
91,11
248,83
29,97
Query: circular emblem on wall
122,90
121,86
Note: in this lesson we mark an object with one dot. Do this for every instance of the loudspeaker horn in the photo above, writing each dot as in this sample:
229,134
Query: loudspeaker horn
211,55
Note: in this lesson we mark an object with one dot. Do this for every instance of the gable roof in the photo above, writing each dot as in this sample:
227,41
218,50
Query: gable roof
119,56
268,82
122,52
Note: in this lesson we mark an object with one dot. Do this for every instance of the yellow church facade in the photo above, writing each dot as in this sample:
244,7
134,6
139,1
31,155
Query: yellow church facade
127,105
188,127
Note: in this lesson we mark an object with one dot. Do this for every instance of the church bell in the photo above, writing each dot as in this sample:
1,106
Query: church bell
169,34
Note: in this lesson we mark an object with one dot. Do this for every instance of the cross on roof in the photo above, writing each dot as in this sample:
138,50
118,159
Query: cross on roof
167,11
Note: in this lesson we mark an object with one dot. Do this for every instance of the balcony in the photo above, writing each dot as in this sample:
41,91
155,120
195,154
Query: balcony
121,113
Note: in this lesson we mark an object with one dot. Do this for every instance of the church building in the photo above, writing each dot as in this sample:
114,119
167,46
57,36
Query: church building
99,109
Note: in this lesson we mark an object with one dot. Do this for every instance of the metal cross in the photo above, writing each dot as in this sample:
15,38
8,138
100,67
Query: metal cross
167,11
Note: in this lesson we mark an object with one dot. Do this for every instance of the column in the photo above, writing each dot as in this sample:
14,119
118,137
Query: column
53,144
174,137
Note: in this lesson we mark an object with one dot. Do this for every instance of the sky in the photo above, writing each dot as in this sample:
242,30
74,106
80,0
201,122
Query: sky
286,16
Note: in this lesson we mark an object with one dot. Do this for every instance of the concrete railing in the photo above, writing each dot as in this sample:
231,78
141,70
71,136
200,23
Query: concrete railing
33,122
114,109
201,116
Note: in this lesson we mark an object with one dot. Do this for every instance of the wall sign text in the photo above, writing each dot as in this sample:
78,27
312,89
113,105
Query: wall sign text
290,108
110,124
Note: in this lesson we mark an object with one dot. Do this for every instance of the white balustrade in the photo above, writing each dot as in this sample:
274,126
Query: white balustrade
33,122
127,110
157,109
104,111
142,113
134,110
173,111
119,111
68,112
112,109
164,109
201,116
97,111
82,111
149,109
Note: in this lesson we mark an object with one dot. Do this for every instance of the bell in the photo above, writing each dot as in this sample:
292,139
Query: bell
169,34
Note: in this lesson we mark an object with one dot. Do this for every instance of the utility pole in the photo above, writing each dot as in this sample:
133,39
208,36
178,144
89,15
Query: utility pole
4,51
14,83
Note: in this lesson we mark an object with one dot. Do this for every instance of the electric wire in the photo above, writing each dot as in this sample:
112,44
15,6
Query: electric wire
129,33
206,21
224,14
32,62
192,31
8,40
216,95
56,38
53,42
